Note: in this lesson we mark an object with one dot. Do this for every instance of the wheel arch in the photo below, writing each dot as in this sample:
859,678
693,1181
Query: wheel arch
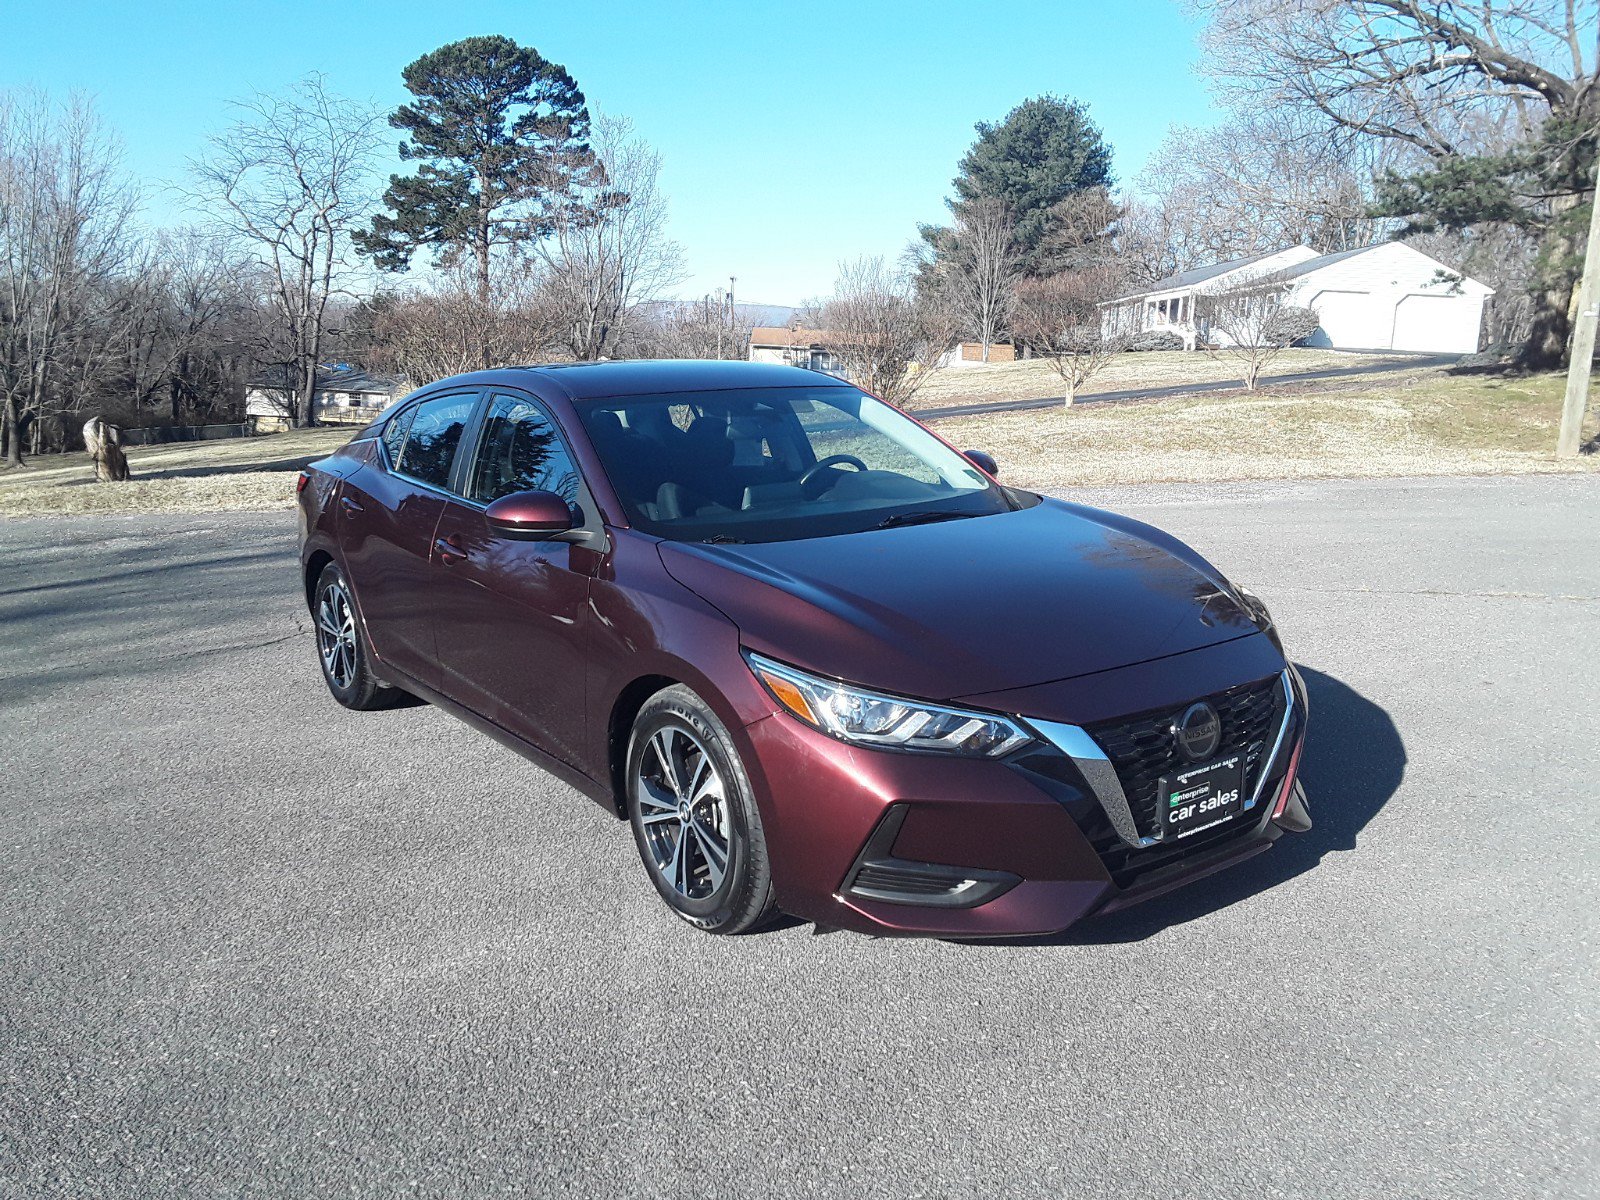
624,712
315,563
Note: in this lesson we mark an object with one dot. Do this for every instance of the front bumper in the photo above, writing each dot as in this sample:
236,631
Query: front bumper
916,844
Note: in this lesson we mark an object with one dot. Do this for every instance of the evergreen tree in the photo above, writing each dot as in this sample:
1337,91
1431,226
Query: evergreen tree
1537,186
499,134
1046,150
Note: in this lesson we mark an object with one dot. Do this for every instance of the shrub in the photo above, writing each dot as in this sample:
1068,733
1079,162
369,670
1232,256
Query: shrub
1156,339
1290,325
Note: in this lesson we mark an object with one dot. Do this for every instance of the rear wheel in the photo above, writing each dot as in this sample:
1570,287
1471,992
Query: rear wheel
694,819
341,646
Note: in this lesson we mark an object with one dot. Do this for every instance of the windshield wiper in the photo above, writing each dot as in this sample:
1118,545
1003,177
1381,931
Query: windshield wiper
921,517
721,539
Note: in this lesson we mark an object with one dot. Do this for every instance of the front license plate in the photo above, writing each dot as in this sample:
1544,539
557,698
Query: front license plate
1200,797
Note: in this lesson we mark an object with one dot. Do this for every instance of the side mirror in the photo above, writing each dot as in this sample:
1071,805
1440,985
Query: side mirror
529,516
984,461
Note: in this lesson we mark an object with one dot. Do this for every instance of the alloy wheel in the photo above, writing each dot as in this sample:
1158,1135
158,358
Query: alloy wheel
336,635
683,809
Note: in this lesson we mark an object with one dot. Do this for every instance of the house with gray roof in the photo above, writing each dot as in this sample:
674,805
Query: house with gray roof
345,395
1383,297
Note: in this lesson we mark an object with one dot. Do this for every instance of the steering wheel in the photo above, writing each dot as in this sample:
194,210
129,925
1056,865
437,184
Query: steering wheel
813,484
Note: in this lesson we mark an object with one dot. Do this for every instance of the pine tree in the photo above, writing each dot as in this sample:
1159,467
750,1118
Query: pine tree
500,136
1046,150
1536,186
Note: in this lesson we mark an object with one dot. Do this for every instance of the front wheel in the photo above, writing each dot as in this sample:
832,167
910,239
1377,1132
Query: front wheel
694,819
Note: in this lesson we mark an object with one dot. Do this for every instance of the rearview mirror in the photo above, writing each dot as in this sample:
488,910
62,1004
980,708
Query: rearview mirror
529,516
984,461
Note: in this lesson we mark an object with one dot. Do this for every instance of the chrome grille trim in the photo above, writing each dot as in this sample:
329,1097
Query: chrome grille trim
1096,768
1101,775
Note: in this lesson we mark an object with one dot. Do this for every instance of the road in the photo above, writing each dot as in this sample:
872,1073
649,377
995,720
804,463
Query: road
257,945
1412,362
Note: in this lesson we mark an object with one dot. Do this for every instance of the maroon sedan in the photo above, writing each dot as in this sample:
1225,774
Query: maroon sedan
821,661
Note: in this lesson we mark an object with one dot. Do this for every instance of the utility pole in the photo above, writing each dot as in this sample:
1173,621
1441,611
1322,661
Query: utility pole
1582,340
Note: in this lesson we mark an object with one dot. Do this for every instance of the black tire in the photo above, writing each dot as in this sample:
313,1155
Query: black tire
346,671
741,900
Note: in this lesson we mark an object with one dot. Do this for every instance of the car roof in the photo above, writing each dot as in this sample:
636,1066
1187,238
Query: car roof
643,377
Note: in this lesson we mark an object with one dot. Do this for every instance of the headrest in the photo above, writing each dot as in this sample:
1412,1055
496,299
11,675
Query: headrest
606,425
652,420
706,443
751,426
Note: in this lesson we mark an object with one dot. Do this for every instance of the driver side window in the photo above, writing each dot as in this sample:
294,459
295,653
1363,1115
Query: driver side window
520,451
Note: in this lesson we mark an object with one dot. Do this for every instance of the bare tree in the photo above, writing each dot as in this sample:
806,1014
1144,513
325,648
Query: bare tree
976,265
429,334
1249,321
1265,180
292,179
1500,256
1060,318
65,210
688,329
1447,79
887,338
188,294
609,251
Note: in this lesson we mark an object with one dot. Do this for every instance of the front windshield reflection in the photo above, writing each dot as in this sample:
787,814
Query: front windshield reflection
777,463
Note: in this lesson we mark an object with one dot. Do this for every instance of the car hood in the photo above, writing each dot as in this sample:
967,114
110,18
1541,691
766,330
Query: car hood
957,608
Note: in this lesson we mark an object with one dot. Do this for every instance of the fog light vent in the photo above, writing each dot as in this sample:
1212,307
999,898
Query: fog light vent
878,875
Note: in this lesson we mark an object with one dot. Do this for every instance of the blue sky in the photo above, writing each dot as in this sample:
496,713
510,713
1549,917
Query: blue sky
794,135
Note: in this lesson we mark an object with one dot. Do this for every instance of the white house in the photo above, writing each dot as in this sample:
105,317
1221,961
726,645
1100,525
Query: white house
1383,297
344,396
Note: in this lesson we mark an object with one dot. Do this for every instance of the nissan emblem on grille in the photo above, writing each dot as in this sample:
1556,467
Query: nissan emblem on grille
1198,732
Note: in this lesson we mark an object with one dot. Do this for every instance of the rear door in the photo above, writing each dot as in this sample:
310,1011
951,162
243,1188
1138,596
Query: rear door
512,615
390,510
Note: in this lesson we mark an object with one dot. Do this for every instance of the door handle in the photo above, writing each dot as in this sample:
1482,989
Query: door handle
350,505
448,549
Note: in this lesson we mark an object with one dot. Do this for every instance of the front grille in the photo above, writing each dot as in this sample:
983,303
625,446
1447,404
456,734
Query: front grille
1142,748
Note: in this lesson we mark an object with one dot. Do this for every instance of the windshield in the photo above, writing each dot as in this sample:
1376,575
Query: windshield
775,464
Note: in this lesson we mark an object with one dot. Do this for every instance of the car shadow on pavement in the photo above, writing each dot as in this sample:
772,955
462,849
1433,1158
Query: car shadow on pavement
1353,763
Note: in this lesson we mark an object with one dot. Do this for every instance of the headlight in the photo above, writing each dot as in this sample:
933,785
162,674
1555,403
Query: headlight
871,719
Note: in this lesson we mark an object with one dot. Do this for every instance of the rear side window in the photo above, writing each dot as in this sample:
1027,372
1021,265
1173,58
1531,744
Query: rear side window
430,444
394,433
520,451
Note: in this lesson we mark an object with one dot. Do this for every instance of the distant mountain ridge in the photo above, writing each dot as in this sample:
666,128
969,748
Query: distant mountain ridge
748,314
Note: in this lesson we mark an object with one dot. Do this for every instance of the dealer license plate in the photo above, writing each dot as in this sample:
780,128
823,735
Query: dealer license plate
1200,797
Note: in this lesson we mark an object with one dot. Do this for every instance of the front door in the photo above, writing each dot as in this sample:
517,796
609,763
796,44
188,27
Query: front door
512,613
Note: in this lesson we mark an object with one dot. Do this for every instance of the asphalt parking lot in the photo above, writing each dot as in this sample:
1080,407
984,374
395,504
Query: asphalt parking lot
254,944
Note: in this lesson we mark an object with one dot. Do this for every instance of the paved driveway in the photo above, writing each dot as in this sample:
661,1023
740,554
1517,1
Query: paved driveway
254,944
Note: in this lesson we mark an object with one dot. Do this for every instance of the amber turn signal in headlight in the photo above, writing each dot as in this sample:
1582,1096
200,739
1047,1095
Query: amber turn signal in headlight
891,722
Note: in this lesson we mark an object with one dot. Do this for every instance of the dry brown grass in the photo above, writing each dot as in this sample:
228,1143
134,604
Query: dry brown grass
1034,379
1421,423
237,473
1426,423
